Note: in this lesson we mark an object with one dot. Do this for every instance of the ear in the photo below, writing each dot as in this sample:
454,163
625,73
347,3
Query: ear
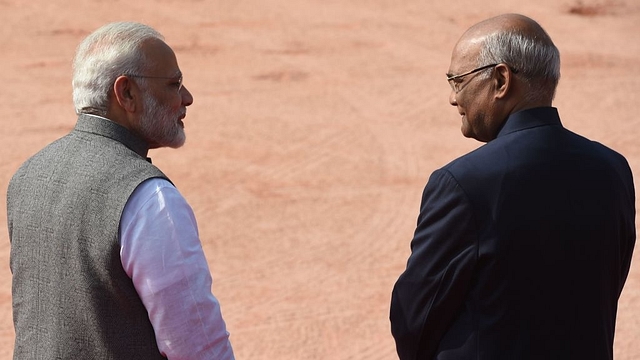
503,80
126,93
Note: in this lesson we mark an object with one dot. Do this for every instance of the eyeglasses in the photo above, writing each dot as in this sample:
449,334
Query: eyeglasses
455,86
178,80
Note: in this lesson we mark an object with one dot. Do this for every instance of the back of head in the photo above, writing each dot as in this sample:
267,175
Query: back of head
112,50
523,44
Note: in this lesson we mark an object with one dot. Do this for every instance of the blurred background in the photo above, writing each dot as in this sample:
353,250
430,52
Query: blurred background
315,126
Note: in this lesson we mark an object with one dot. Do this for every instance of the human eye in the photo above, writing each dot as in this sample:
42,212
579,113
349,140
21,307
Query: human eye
177,83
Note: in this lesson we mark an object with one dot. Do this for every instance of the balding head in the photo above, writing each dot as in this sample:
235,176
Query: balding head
500,66
521,43
506,22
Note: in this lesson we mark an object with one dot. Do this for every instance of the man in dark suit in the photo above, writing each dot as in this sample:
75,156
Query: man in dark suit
522,246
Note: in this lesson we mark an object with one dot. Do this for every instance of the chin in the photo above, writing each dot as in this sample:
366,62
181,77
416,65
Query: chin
466,132
177,139
173,143
176,143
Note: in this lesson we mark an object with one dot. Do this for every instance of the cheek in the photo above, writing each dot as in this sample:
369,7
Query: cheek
474,101
171,103
466,102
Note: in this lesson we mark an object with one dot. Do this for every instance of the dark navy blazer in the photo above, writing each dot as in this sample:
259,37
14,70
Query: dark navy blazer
521,250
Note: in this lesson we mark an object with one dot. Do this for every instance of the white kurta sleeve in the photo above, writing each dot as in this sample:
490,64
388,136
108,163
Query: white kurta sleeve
161,252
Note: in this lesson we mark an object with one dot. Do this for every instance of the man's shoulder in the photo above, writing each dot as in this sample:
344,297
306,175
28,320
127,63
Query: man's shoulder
552,146
85,148
86,155
477,159
48,151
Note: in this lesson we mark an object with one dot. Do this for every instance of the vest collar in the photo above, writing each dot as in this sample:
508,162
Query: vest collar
104,127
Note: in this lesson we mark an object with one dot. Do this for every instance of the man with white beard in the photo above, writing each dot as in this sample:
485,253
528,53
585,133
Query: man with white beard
105,253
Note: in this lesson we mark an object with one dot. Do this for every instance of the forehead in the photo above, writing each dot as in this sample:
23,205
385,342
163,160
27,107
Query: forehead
465,55
160,57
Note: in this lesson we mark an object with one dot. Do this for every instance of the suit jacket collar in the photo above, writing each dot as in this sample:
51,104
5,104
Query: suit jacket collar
530,118
104,127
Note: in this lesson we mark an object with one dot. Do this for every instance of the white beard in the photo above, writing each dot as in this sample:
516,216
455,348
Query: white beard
159,127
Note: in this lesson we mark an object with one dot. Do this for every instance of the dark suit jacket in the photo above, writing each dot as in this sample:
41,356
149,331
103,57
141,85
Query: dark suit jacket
521,250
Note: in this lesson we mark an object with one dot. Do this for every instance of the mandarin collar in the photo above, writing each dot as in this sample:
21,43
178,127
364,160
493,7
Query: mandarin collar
104,127
530,118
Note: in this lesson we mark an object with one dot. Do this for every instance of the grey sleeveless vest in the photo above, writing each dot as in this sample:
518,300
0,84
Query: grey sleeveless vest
71,296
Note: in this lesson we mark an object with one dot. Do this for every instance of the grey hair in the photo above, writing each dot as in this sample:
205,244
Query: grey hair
111,51
535,58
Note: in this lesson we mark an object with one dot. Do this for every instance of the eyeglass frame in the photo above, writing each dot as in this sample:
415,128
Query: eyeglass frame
180,83
454,86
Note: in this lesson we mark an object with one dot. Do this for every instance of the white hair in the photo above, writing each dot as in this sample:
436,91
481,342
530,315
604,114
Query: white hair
533,55
111,51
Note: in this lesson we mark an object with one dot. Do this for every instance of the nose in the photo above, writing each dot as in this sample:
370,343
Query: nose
187,98
452,98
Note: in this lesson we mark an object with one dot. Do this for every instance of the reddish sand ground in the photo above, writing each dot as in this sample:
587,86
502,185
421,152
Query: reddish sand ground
315,126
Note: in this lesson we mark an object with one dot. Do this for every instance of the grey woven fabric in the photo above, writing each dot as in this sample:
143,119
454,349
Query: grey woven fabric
71,296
